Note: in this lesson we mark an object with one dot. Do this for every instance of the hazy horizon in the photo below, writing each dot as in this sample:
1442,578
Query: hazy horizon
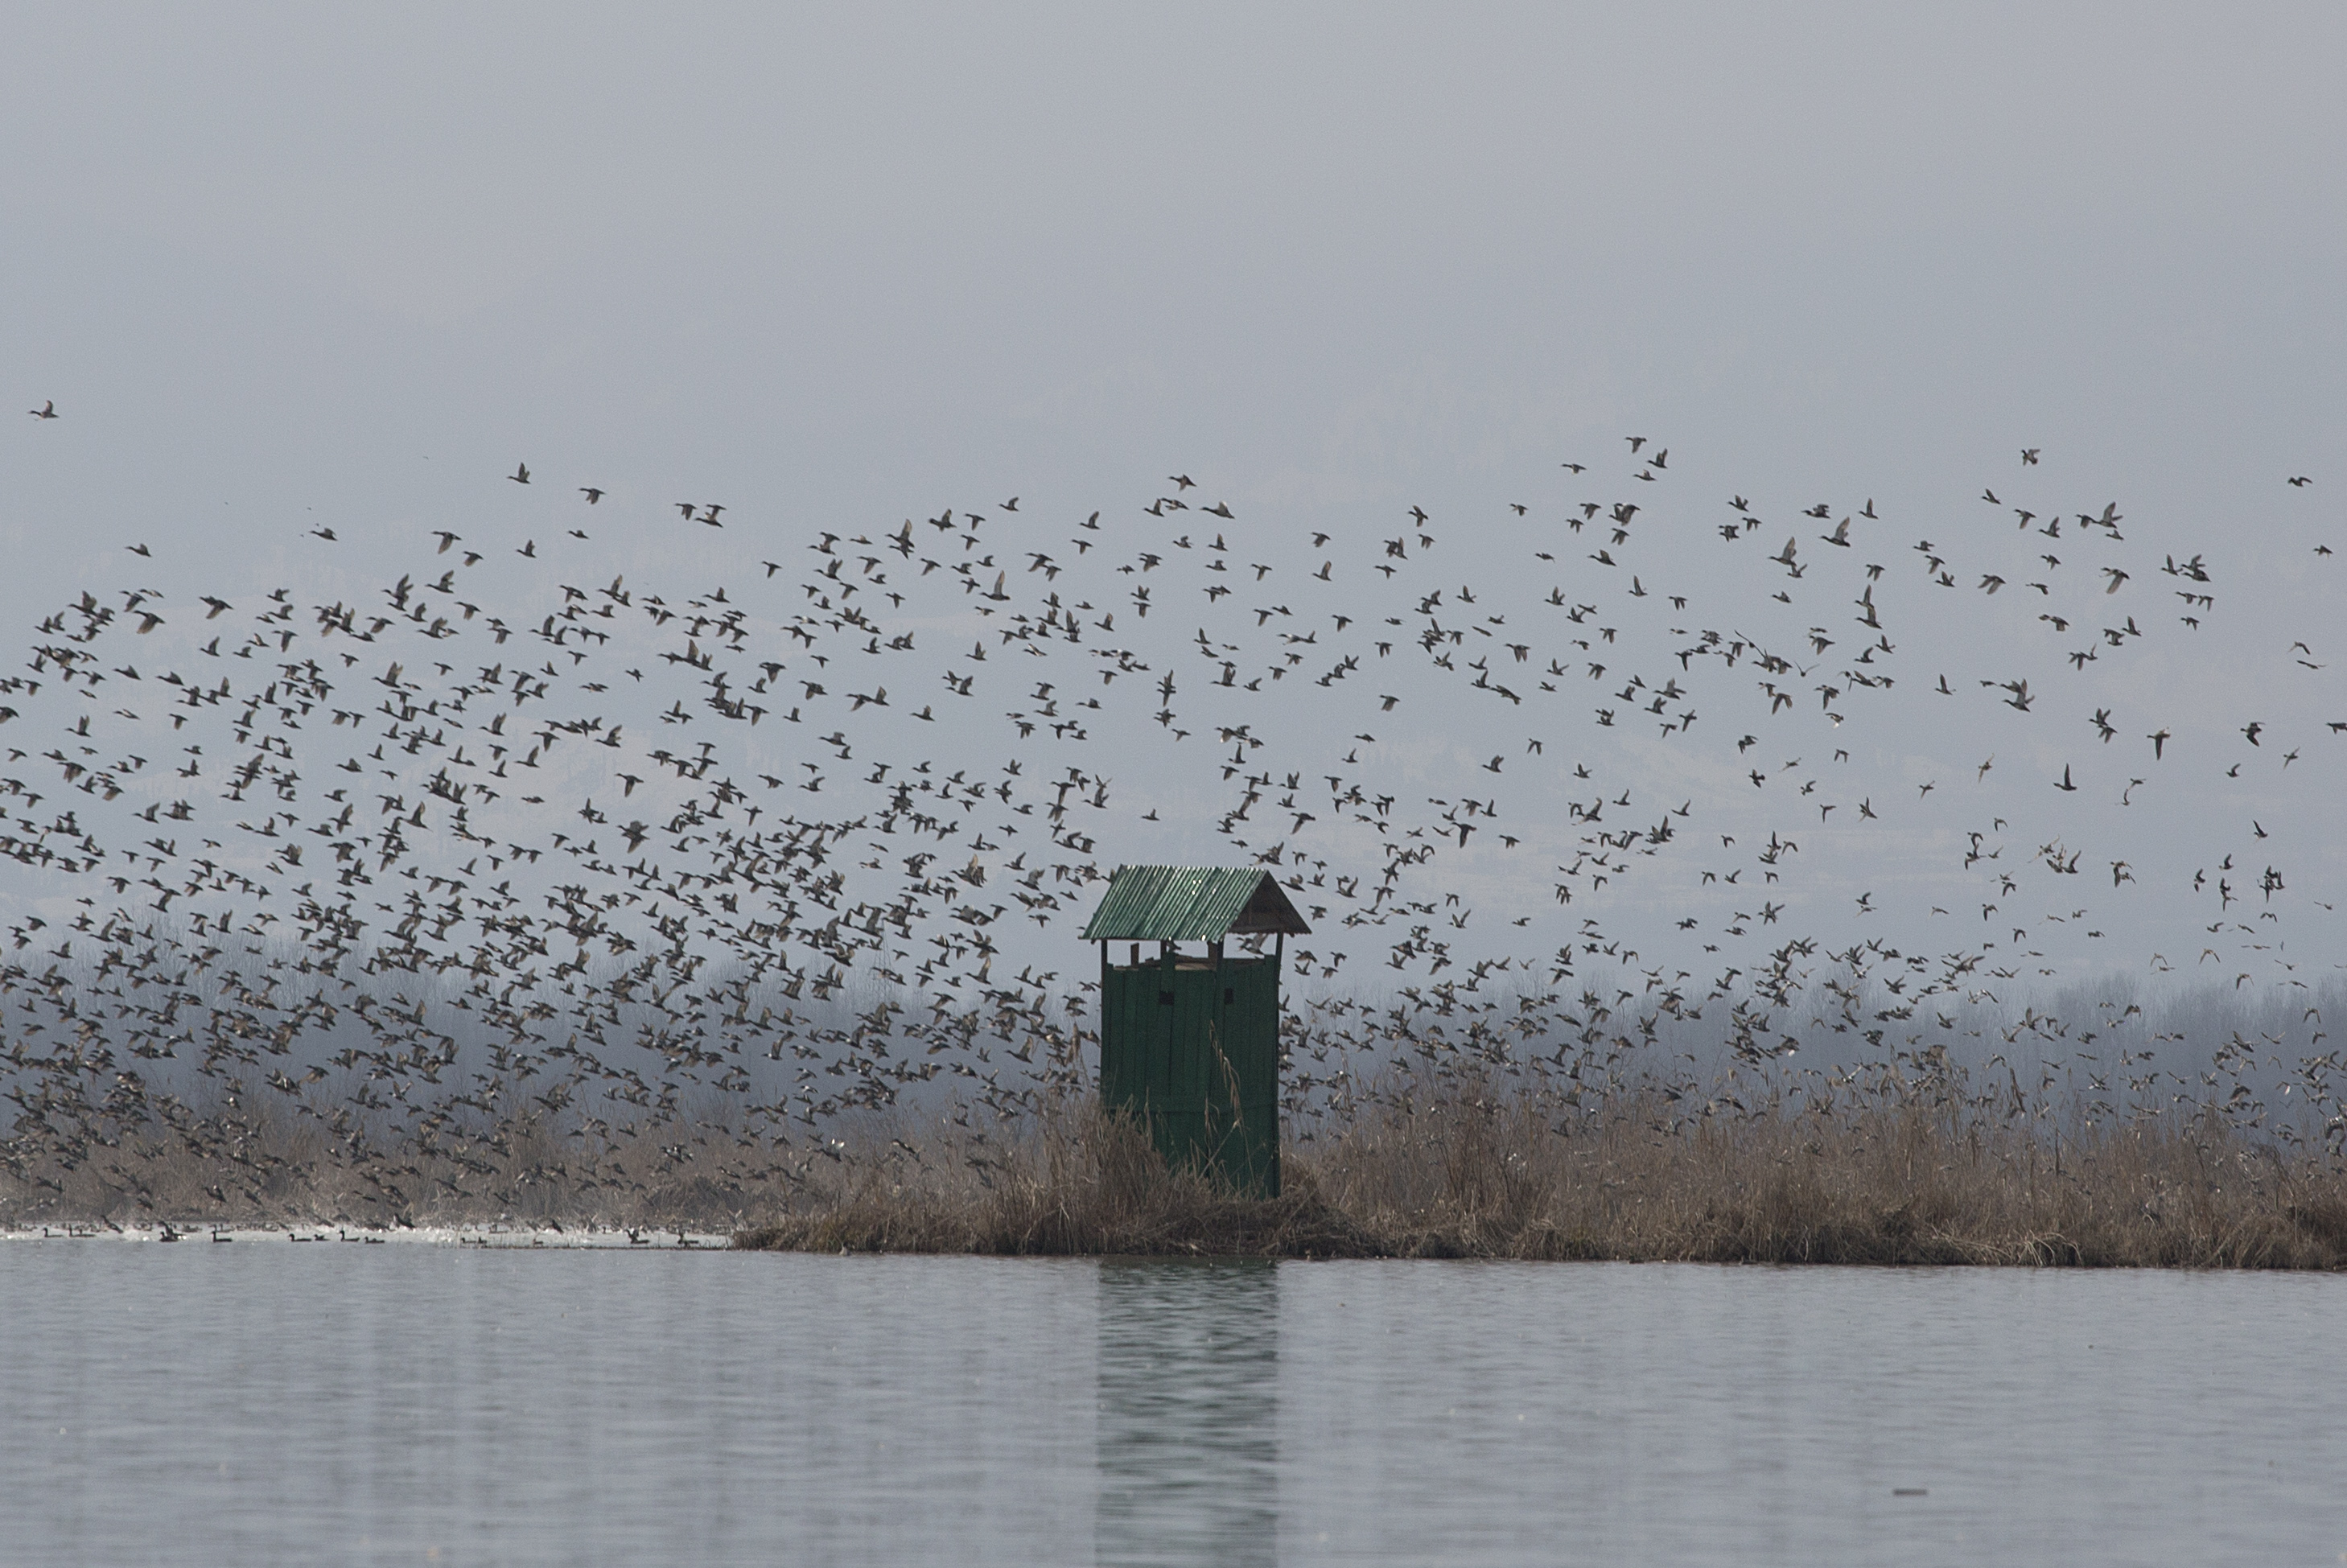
282,270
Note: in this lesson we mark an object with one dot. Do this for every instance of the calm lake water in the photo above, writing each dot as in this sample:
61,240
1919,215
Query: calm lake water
267,1403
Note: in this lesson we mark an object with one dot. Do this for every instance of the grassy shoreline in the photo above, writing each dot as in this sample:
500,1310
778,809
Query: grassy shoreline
1461,1178
1427,1168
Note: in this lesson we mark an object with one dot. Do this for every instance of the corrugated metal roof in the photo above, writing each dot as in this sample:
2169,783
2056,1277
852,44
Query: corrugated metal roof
1191,904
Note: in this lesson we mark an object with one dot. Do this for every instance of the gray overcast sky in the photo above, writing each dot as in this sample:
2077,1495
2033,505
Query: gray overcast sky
1327,252
281,264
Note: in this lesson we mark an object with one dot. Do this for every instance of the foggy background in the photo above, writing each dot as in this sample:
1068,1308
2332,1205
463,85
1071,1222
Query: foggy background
283,268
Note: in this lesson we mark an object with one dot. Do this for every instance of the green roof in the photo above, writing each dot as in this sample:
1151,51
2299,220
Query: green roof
1192,904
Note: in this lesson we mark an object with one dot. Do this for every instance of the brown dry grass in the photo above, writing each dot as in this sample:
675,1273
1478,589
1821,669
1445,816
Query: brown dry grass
1420,1169
1458,1175
1077,1183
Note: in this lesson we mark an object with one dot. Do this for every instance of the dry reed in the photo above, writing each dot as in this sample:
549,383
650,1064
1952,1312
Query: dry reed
1458,1175
1424,1168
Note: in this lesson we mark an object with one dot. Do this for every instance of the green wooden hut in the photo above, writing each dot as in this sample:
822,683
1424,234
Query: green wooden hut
1190,1042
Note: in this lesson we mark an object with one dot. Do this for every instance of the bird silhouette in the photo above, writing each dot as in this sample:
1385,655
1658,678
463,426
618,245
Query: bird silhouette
364,825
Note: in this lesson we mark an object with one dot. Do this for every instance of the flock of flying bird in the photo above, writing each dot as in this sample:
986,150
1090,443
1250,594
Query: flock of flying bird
679,875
